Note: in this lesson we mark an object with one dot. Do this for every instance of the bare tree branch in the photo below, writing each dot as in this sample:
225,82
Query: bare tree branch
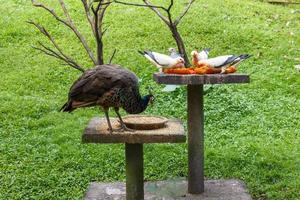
139,5
112,57
60,54
98,35
172,25
104,31
53,53
177,21
66,12
148,4
99,12
159,14
88,15
50,10
48,51
69,23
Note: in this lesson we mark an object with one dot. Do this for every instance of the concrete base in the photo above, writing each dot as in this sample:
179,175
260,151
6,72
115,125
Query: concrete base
172,189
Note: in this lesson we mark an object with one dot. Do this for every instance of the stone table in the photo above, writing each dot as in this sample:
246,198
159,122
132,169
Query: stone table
196,117
97,132
171,190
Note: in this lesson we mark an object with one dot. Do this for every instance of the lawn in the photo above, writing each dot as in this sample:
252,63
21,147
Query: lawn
252,130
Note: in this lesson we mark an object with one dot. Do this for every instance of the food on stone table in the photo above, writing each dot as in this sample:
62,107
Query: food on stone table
207,70
143,122
180,71
220,62
200,70
230,70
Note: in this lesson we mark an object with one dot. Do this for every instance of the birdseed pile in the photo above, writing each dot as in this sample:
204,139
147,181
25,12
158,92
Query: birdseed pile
142,122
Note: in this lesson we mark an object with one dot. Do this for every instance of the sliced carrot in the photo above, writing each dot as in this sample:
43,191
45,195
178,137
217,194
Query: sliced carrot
230,70
179,71
200,70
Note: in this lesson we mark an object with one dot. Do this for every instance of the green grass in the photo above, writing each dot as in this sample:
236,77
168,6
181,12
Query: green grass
252,131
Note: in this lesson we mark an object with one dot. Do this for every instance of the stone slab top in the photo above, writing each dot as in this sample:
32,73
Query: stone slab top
172,190
195,79
97,132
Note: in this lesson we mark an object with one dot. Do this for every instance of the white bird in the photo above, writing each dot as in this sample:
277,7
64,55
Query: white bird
163,61
221,61
170,88
203,55
173,53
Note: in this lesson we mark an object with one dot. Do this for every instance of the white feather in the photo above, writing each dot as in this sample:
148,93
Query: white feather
162,60
202,55
170,88
152,61
217,61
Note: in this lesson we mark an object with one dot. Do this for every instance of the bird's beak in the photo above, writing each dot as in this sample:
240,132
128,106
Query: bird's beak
152,99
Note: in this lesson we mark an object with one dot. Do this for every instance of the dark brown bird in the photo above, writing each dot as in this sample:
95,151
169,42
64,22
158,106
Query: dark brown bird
108,86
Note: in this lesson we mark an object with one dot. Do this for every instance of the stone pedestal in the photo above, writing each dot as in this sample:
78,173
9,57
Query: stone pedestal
195,111
172,189
97,132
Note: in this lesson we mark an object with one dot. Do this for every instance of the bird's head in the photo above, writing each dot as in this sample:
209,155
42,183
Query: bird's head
195,57
172,50
180,60
151,99
194,53
148,99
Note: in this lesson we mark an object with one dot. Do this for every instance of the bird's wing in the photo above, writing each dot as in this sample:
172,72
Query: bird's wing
203,55
96,82
163,60
221,61
240,59
160,59
175,55
207,50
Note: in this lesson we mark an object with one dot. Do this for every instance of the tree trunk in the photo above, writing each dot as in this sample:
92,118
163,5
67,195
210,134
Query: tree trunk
180,44
100,52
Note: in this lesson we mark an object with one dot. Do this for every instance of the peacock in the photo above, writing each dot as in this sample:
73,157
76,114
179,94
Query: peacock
108,86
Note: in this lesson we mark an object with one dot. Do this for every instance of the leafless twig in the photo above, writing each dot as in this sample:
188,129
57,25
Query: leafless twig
99,12
98,32
89,17
50,52
168,20
60,54
187,8
112,57
69,23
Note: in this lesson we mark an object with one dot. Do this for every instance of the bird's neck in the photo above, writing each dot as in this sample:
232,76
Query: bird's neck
195,60
136,104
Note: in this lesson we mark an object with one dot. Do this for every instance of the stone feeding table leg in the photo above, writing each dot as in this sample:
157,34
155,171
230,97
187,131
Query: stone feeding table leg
134,171
195,139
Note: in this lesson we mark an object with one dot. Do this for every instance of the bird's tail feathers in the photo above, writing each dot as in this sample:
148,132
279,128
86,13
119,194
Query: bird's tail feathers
147,52
245,56
67,107
207,49
240,59
142,52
